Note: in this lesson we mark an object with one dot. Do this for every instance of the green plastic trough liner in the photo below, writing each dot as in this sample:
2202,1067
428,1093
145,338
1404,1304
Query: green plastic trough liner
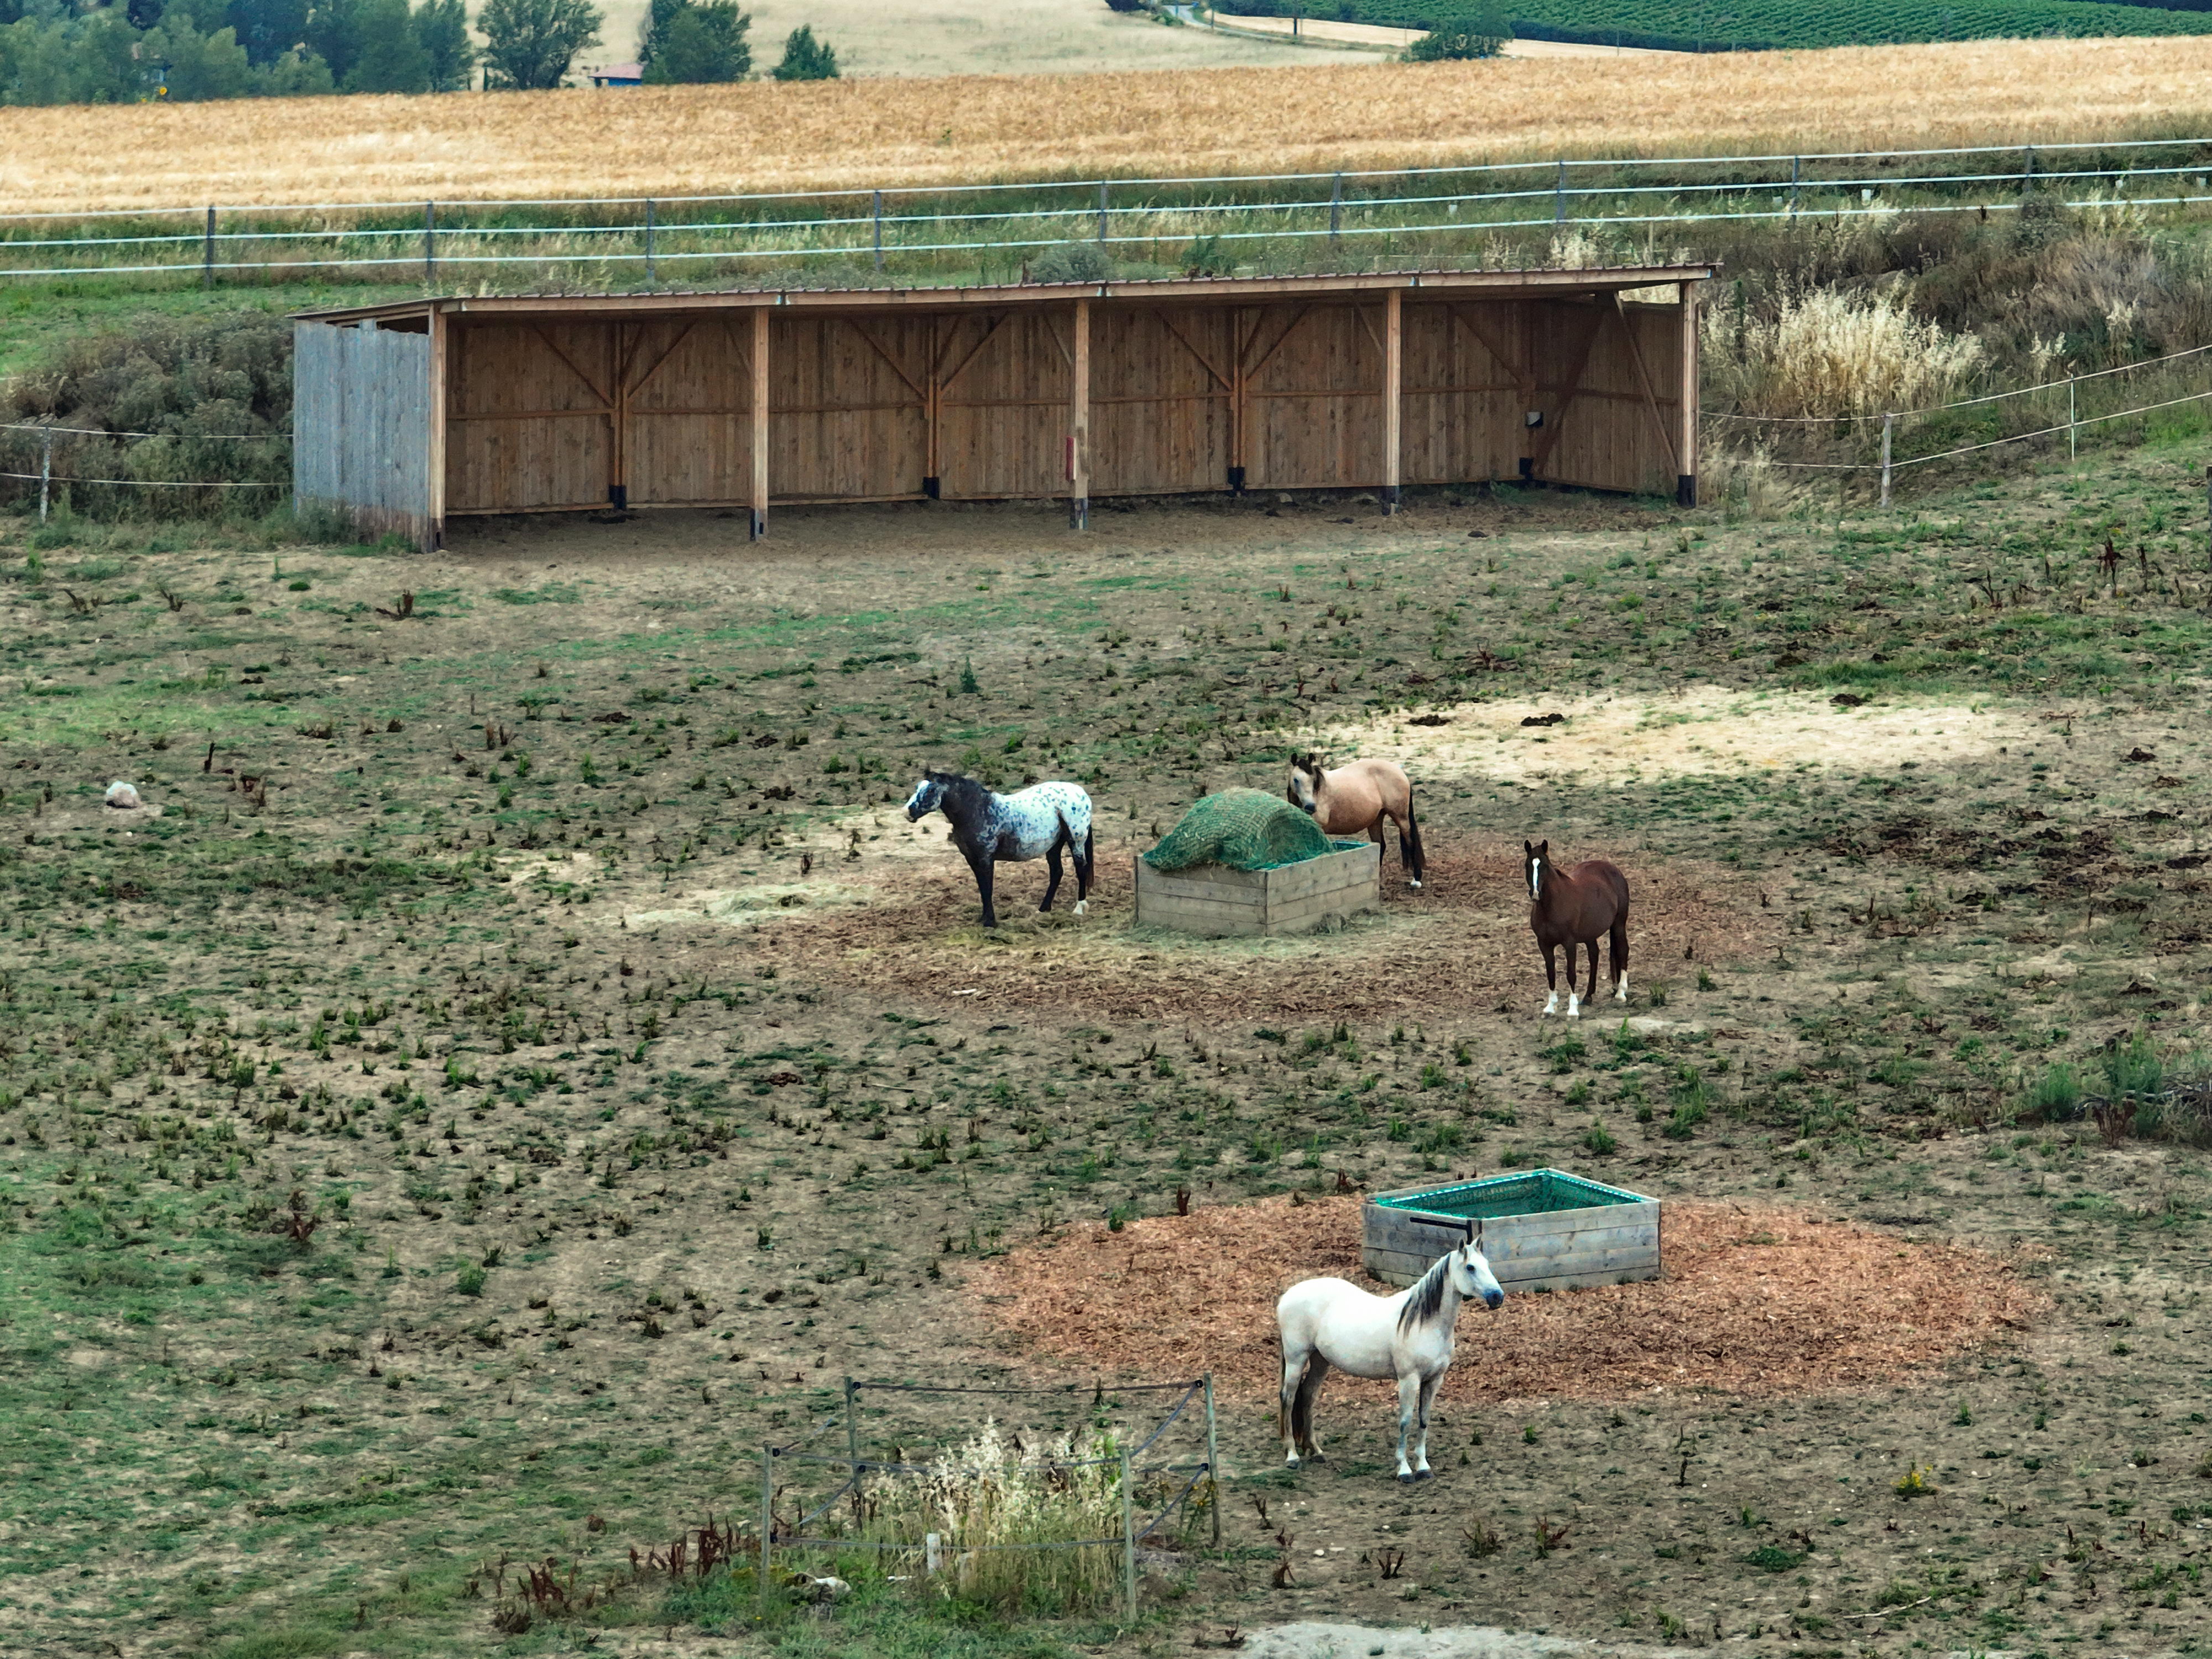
1542,1229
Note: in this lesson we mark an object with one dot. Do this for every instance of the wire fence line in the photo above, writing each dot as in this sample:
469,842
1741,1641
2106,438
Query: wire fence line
930,224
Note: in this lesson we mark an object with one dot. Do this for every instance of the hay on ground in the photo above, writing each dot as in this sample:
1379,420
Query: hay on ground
1763,1301
1468,930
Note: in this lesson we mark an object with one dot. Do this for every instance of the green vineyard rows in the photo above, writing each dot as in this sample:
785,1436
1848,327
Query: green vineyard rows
1761,24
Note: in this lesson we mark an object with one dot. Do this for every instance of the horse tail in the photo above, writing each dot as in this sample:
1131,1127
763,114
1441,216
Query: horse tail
1409,842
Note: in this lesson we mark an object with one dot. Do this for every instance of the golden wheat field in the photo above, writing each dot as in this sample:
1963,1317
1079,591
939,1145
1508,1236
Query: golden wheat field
769,135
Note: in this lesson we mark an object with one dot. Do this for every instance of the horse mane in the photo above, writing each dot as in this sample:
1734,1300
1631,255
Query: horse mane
966,791
1427,1296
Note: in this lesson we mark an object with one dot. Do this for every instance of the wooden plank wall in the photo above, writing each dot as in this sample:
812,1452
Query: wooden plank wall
975,405
1559,1249
360,426
529,416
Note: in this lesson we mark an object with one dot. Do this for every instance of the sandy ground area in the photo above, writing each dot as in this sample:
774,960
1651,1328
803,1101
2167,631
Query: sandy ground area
1704,730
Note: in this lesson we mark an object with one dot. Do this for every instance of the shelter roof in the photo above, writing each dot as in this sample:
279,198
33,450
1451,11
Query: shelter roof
1472,284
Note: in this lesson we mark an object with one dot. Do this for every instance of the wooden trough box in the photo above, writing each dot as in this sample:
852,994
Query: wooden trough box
1293,898
1542,1229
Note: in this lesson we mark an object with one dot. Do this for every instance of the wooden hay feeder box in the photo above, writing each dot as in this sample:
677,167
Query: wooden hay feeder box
1293,898
1542,1229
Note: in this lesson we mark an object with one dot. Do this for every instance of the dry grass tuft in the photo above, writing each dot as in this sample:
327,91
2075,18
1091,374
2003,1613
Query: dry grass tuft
871,134
1825,353
1769,1301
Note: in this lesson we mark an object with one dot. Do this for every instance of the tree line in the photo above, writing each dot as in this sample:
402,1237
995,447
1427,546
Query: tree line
54,51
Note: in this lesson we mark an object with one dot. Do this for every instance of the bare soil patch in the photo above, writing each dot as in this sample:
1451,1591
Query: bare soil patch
1754,1301
1701,730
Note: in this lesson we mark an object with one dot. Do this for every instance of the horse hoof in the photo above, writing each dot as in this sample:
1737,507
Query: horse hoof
1405,1479
1415,885
1423,1475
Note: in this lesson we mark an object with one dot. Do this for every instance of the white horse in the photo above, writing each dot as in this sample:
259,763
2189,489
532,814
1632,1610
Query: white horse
1332,1321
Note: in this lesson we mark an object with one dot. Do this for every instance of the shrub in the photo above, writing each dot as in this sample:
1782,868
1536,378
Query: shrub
1071,261
806,58
470,1281
194,384
1483,33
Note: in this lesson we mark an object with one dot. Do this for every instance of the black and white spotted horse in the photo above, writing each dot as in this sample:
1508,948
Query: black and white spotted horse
991,829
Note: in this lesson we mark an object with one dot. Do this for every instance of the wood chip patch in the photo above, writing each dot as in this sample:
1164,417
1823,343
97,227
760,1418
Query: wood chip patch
1754,1301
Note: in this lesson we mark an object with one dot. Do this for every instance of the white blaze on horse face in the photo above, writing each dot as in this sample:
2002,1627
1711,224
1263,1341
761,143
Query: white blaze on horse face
916,806
1535,879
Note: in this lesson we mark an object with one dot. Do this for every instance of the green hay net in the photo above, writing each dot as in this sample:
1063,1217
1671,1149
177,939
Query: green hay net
1243,830
1532,1194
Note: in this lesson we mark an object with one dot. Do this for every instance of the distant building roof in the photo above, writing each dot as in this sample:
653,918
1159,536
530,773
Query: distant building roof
618,75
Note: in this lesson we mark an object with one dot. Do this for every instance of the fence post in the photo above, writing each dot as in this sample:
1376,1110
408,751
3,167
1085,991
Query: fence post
1128,1537
2073,430
2208,511
1560,196
46,470
1794,162
1336,208
429,244
2027,177
1102,209
1888,421
1212,1447
207,257
767,1520
652,276
852,1439
879,229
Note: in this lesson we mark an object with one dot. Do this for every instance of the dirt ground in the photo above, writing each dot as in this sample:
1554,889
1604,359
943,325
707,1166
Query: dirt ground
548,1283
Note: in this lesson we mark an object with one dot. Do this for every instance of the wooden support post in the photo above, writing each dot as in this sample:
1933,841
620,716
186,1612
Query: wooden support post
767,1522
1101,211
207,257
429,244
1336,210
1214,1448
1393,395
1685,451
652,277
1794,168
1888,426
1129,1536
2207,517
760,421
879,229
441,356
46,472
852,1431
1560,196
1078,421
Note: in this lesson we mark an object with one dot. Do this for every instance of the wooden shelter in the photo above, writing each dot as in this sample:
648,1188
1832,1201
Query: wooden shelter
411,414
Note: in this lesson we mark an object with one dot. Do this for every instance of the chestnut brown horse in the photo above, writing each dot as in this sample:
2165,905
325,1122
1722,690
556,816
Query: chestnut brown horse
1575,908
1355,799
